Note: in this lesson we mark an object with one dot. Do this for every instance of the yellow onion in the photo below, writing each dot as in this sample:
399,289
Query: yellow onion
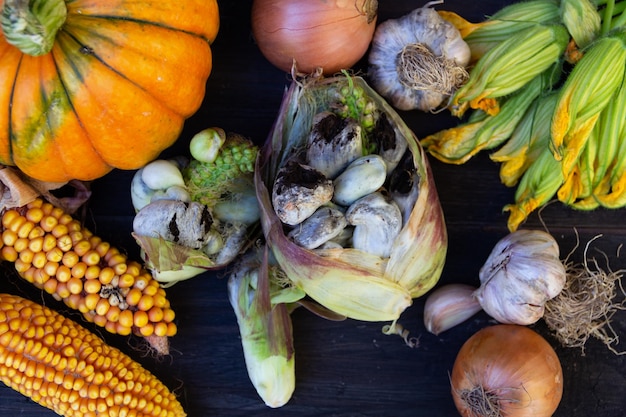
349,281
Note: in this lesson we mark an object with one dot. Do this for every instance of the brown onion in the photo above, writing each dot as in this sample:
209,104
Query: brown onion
507,370
331,34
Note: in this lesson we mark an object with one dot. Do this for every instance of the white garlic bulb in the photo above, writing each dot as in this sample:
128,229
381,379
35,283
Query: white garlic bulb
522,272
418,60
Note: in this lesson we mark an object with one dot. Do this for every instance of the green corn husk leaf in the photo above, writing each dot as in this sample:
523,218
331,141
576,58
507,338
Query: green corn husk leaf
170,262
265,327
511,65
587,90
350,282
509,21
582,20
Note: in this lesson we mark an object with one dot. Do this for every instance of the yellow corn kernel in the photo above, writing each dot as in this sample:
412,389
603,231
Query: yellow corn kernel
64,243
81,247
91,257
75,285
21,244
8,253
50,267
106,275
36,244
59,230
70,259
92,272
146,302
8,217
126,318
63,390
9,237
21,266
133,296
48,223
140,318
126,280
91,300
25,229
34,214
26,255
36,233
54,255
79,269
63,273
39,260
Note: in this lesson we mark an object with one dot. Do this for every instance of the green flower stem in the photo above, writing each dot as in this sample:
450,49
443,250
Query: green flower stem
32,25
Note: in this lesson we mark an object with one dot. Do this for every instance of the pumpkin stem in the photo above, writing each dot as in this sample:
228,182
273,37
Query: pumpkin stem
32,25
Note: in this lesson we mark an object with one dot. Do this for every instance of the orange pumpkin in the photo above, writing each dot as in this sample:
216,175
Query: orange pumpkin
111,90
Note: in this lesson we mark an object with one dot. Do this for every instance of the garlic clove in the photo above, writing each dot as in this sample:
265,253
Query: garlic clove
299,190
333,143
377,222
363,176
323,225
448,306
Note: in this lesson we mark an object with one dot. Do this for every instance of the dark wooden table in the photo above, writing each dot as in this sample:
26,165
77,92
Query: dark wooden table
346,368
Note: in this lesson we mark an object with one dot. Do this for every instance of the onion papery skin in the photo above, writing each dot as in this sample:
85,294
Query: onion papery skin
515,364
357,285
332,35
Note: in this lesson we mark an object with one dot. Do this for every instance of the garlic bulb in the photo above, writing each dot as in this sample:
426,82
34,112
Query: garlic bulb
522,272
418,60
520,275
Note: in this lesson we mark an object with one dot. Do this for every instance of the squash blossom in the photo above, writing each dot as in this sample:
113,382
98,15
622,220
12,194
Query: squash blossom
483,131
503,24
529,138
510,65
345,280
582,20
587,90
537,186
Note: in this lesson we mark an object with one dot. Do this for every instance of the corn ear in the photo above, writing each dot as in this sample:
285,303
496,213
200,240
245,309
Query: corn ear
66,368
510,65
266,331
366,287
55,253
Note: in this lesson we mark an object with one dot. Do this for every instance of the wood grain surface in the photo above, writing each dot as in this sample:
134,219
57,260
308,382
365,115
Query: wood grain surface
347,368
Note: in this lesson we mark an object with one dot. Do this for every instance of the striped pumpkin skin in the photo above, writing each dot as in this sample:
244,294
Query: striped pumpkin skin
66,368
113,92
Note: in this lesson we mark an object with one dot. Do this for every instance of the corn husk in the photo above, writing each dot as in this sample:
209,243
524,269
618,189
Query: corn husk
350,282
